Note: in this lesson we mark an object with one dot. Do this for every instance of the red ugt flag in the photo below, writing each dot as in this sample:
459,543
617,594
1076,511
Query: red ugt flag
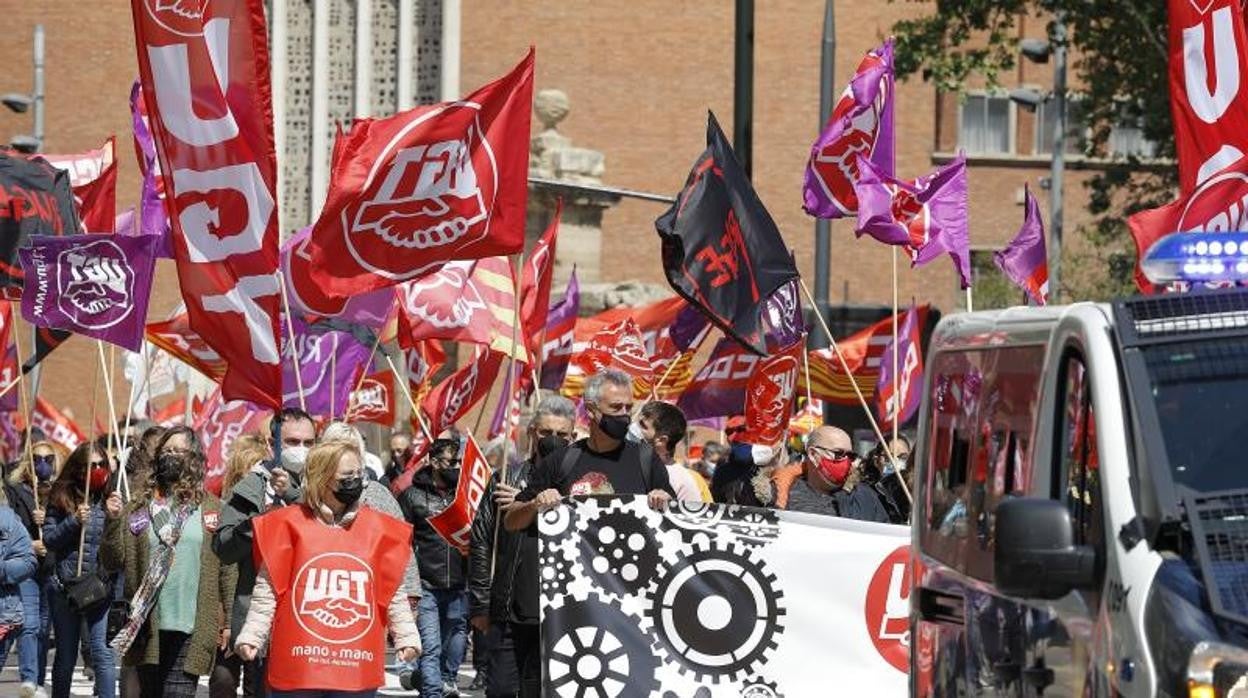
412,191
205,74
899,394
455,522
1208,67
535,286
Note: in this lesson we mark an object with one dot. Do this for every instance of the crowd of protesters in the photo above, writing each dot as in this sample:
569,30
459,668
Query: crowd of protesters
117,554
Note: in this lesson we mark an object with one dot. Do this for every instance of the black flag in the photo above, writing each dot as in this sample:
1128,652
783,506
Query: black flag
46,339
722,251
35,199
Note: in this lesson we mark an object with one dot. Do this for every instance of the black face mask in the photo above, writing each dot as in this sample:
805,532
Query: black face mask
348,491
550,443
615,425
168,470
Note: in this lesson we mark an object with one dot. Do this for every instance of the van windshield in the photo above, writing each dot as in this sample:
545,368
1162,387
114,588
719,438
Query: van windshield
1201,394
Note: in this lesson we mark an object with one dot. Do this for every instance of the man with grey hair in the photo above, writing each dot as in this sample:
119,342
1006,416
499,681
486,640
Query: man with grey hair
603,464
499,572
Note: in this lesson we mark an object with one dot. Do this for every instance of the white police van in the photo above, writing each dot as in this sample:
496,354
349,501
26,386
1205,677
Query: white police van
1081,511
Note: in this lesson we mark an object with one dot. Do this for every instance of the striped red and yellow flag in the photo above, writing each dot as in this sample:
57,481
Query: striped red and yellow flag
862,351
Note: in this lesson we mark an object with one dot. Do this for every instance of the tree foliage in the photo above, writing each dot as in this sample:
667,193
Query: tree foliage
1118,61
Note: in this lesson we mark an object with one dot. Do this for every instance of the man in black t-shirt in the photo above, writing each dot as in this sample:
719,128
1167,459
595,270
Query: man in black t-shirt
603,464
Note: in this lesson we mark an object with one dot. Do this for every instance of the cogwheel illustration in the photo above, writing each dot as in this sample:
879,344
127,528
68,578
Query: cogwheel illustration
557,524
696,521
702,692
618,552
716,612
592,648
758,687
555,573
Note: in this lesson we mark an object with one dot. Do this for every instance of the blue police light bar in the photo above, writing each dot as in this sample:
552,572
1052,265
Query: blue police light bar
1219,256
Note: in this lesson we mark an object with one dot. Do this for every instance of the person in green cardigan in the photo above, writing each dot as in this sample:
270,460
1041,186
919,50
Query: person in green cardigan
179,592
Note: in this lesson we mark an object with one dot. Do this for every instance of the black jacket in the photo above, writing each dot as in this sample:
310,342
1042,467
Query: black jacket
488,595
441,564
22,501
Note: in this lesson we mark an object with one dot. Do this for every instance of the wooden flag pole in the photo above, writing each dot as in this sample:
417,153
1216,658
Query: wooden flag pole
106,368
333,383
875,426
86,490
26,410
407,393
654,387
896,413
970,306
810,403
294,346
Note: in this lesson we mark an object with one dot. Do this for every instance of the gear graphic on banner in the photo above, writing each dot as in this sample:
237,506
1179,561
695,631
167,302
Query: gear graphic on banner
556,572
618,551
592,648
716,613
696,521
760,688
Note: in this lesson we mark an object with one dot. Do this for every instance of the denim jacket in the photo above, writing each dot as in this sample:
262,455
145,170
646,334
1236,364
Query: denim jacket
17,563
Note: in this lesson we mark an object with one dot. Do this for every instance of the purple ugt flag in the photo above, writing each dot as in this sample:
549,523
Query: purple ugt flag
94,285
928,215
560,329
900,392
318,370
1025,261
861,125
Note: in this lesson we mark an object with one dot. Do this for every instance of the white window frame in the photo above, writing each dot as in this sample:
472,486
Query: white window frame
1011,126
1038,125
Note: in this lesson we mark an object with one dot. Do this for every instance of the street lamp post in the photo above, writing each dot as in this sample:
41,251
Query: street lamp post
1039,50
1058,168
20,102
823,227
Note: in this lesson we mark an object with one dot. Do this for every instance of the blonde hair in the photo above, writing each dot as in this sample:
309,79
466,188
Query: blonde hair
246,451
25,470
321,466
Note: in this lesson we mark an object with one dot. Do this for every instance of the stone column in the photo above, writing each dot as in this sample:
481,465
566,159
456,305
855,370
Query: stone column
553,157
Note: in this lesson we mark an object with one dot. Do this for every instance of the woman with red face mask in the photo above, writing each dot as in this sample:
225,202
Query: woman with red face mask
73,529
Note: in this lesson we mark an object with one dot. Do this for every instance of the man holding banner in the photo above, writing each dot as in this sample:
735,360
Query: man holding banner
603,464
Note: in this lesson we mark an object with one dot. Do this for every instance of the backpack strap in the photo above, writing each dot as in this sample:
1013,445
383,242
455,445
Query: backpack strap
570,456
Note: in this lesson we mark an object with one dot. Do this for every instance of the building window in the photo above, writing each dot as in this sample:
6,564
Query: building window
1046,122
1126,139
985,125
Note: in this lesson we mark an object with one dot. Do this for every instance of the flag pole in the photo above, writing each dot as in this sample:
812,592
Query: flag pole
294,346
407,393
333,382
896,362
513,394
26,409
848,373
86,490
970,307
654,387
810,402
106,368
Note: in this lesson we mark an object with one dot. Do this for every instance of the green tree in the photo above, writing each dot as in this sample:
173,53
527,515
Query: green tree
1118,50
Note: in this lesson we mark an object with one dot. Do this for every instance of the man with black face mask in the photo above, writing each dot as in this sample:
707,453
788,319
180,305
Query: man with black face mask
491,594
603,464
442,614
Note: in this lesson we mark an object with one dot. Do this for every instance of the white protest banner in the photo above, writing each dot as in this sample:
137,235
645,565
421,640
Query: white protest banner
714,600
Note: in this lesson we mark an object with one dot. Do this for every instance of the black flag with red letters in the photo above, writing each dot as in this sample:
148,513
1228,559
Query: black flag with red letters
722,252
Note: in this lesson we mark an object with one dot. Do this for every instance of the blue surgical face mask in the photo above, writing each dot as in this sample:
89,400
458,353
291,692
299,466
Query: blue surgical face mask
45,467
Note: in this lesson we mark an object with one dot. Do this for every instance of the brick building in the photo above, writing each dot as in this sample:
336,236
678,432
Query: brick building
640,77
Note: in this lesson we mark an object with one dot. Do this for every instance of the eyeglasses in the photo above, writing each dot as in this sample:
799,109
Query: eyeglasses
99,464
834,453
40,460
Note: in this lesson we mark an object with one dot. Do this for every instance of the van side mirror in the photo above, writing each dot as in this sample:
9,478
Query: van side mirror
1035,555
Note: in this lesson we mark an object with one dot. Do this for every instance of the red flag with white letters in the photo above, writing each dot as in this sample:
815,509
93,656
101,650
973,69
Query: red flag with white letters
535,286
1208,71
219,423
59,429
410,192
204,67
455,522
451,400
373,401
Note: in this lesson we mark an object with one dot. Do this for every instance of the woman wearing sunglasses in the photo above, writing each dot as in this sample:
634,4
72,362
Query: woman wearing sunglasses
27,492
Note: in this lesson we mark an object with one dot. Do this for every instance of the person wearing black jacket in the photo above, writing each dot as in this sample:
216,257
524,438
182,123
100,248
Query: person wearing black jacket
493,569
442,615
